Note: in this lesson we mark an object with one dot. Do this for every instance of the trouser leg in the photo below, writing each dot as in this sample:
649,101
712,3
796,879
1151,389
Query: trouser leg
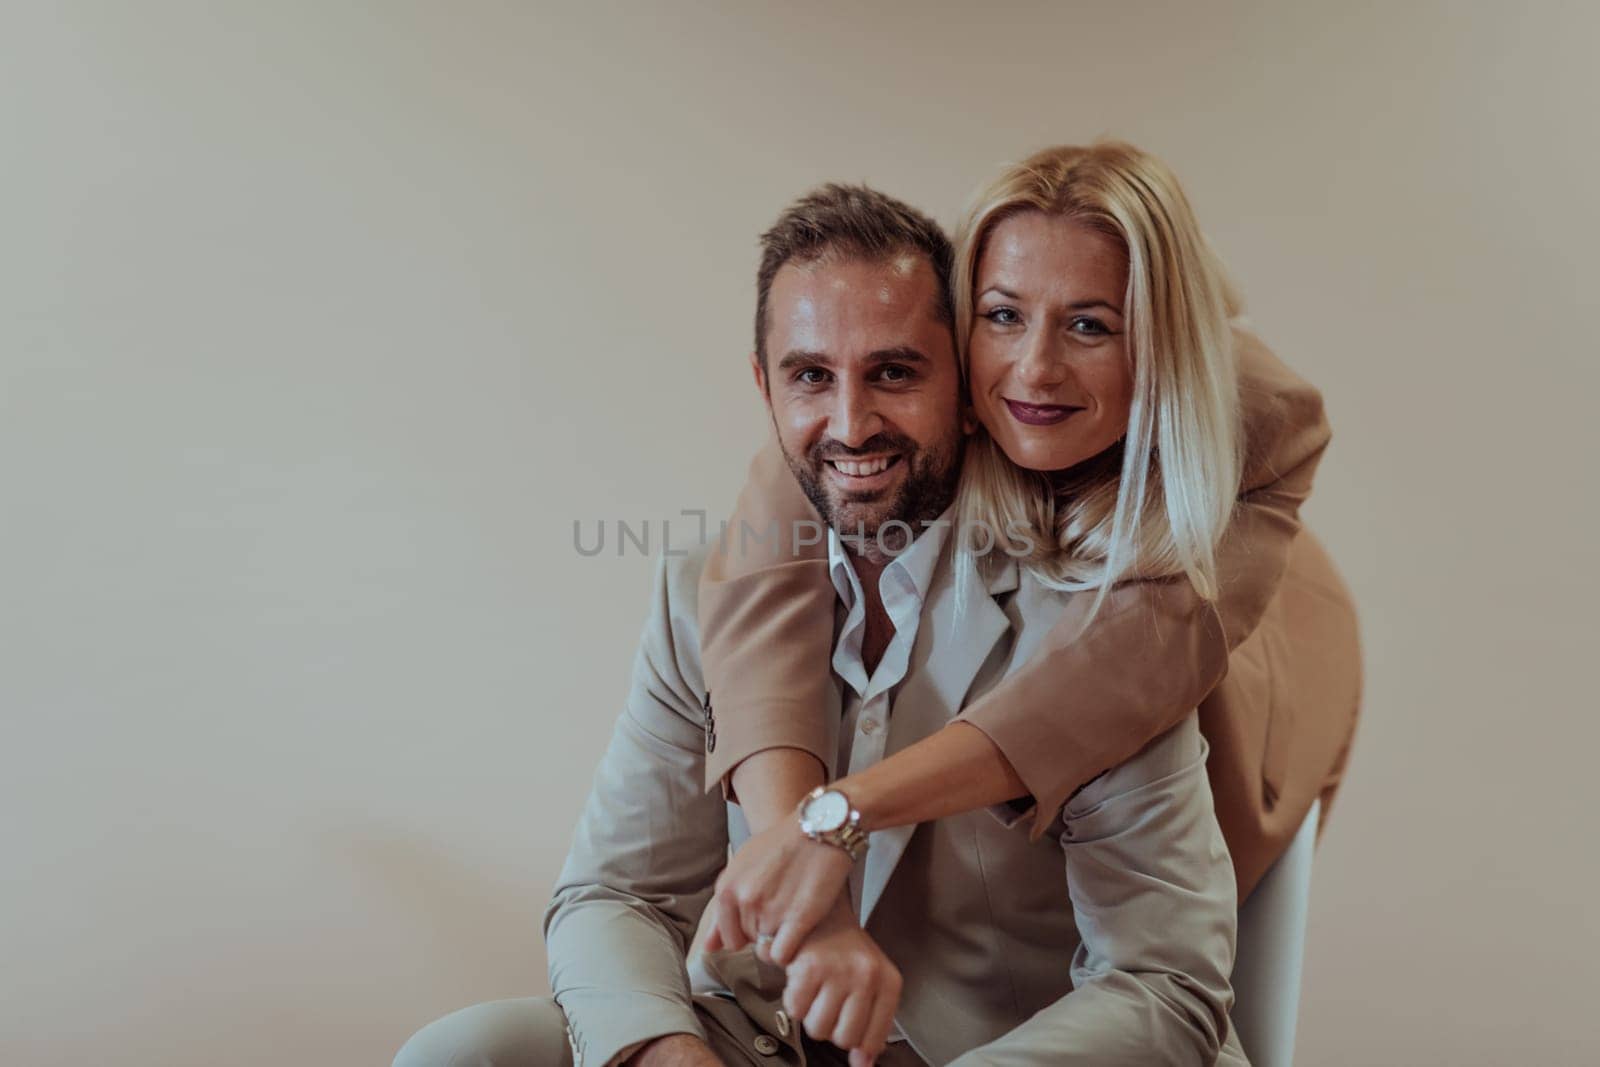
748,1030
525,1032
532,1032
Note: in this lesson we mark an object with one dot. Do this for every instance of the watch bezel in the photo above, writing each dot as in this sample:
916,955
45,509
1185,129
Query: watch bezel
811,815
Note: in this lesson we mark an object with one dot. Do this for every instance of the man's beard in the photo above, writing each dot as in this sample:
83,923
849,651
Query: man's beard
922,495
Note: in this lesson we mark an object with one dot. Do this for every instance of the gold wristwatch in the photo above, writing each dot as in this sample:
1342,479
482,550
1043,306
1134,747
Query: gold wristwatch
826,815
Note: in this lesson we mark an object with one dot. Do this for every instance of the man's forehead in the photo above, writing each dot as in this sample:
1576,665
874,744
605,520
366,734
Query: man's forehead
841,291
844,268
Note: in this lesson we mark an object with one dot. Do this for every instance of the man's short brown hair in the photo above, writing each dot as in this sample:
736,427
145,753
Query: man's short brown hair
851,220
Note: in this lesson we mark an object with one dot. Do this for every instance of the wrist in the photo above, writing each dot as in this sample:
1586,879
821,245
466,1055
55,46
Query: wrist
863,798
827,816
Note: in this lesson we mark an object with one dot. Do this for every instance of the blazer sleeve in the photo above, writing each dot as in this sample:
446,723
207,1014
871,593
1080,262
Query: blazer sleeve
644,858
1154,898
766,623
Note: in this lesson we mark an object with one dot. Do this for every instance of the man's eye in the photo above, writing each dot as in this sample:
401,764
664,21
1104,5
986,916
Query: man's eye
894,372
812,376
1003,316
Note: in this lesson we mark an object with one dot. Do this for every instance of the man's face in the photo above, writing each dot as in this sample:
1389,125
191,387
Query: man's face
863,389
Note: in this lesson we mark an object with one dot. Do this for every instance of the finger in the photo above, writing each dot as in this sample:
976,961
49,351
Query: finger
791,935
858,1058
824,1013
728,924
750,920
876,1035
800,921
854,1015
713,939
799,990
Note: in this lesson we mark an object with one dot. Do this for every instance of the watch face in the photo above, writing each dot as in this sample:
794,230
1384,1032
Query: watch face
827,812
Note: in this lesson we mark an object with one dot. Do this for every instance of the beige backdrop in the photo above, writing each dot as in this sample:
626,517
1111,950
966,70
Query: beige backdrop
321,323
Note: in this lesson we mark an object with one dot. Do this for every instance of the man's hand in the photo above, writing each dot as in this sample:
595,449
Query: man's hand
782,883
843,987
675,1050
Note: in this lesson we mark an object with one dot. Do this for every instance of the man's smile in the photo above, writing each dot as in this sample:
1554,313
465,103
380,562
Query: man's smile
863,474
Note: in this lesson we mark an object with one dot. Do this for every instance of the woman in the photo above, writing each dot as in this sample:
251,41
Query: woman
1157,459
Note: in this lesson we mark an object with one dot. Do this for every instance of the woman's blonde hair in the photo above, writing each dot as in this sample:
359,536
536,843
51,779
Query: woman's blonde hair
1155,504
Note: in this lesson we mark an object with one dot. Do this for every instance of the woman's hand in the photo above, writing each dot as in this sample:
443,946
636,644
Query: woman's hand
843,988
780,883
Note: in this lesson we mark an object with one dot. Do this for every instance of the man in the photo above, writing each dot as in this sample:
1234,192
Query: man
1109,941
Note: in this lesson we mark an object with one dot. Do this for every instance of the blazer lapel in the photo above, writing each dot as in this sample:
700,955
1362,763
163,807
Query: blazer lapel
949,651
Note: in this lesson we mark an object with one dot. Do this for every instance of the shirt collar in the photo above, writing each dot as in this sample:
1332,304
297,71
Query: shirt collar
918,561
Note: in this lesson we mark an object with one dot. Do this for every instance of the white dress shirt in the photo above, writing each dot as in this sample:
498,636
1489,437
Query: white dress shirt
903,587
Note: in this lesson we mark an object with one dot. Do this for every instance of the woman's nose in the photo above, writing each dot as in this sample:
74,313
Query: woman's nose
1041,365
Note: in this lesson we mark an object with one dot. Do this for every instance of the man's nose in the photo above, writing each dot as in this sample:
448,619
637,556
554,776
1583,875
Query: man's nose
855,418
1042,364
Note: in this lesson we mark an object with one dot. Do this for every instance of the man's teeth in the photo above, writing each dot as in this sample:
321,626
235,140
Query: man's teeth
863,468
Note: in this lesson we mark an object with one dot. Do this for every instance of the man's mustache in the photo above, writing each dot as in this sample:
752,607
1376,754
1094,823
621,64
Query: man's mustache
876,445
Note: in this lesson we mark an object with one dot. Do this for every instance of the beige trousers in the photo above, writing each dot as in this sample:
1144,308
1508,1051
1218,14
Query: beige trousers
746,1031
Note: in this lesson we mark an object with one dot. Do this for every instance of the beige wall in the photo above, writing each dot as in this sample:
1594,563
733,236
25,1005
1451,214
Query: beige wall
322,322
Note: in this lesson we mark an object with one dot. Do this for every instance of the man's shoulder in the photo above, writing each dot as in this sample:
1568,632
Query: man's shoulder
672,631
678,573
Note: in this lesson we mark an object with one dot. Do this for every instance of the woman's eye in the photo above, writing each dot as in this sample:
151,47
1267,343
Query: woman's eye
1088,327
1003,316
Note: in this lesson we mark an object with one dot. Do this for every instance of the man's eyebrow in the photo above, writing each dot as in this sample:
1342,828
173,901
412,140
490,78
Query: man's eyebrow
897,354
800,357
1079,305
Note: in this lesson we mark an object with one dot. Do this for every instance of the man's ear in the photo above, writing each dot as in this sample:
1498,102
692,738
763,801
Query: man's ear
761,378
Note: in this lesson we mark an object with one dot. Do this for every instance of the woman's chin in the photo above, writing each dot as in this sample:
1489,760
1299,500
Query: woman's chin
1039,455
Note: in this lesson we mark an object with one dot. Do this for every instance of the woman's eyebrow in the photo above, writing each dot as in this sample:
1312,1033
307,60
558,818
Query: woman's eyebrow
1076,305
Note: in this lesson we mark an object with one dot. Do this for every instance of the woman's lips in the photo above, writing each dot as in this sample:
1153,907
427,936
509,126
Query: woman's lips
1039,414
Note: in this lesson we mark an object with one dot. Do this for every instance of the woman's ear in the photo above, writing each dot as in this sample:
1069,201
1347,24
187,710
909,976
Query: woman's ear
969,419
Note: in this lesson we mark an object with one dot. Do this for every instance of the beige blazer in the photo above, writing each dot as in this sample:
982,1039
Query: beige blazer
1107,940
1274,663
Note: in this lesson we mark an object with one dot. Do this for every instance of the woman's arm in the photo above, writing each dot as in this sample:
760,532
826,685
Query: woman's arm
766,627
1152,654
1082,704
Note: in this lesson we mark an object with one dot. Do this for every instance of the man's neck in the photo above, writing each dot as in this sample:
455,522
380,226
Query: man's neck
880,629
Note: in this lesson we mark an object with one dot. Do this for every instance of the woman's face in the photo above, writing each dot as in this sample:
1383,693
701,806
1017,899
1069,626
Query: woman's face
1048,357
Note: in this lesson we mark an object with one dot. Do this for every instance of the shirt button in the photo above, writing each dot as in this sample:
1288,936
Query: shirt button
869,726
765,1044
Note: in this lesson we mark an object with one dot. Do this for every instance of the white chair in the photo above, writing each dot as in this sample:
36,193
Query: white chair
1272,936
